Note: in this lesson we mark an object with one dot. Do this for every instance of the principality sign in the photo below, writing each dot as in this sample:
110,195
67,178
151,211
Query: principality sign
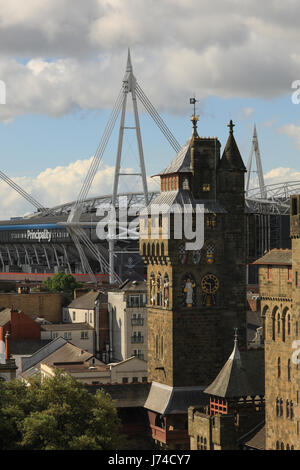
39,235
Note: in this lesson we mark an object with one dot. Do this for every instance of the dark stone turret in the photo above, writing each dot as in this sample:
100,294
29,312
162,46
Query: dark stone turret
231,158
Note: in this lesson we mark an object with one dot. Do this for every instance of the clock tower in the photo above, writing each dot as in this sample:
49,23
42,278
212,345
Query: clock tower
196,296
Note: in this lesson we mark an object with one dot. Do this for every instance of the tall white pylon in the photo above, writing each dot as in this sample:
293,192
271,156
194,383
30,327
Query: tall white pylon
129,86
73,223
258,171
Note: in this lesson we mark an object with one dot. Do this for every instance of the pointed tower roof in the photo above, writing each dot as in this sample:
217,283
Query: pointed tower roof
182,162
231,158
232,381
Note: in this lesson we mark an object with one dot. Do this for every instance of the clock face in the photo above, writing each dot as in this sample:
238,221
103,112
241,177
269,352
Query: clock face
210,284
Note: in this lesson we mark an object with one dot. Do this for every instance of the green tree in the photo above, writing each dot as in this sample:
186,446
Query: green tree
57,414
61,282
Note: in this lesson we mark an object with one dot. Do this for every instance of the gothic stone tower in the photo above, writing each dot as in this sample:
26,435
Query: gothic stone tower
279,277
195,298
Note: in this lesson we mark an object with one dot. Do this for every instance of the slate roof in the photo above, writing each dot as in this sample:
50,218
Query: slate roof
184,197
129,395
167,400
5,316
276,257
66,326
26,347
85,301
231,158
67,353
182,162
38,356
258,441
241,376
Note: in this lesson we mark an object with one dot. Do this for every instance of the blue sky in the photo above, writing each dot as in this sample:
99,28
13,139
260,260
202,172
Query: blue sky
63,62
33,142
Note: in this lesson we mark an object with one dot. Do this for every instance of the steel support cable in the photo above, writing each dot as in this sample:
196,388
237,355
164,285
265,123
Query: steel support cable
82,235
93,169
159,122
101,148
22,192
94,251
165,132
92,248
156,117
84,261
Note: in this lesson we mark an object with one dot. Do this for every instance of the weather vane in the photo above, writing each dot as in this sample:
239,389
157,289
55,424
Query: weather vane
194,101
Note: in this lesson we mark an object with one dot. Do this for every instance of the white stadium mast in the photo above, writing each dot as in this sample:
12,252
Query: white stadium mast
259,171
129,85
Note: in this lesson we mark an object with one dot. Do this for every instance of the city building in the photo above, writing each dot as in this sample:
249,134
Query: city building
128,321
81,335
90,371
91,308
196,297
236,409
280,310
47,305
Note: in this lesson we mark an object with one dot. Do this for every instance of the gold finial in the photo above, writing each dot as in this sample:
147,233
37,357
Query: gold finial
195,119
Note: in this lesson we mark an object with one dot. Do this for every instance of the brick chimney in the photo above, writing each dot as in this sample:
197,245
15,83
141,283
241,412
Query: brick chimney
7,346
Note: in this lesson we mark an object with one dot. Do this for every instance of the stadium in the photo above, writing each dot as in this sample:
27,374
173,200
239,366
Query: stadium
63,238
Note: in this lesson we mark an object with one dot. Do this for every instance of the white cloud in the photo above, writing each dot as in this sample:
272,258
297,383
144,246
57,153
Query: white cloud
281,175
245,113
62,184
77,51
292,131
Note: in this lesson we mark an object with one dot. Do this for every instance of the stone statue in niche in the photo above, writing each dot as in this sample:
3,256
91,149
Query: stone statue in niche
152,290
166,291
189,286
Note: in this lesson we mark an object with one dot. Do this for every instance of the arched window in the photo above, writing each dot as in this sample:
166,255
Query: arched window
277,406
289,324
282,446
157,249
162,347
159,289
153,249
289,370
278,324
264,319
287,409
278,368
274,323
291,410
287,447
281,407
277,445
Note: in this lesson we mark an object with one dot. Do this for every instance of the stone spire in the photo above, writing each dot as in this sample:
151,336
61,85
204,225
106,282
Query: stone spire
232,380
231,158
